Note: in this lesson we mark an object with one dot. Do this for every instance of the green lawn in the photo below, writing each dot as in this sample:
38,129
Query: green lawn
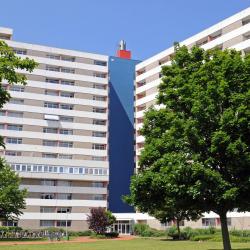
136,244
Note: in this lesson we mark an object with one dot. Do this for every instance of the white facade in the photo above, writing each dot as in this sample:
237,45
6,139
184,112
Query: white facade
233,32
55,130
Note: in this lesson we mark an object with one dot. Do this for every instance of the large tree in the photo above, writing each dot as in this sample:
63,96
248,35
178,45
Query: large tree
11,197
198,140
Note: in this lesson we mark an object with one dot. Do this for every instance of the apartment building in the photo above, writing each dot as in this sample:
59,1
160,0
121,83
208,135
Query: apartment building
233,32
56,134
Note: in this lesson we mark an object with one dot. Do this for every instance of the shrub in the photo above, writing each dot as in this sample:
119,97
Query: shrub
80,233
145,231
112,235
240,233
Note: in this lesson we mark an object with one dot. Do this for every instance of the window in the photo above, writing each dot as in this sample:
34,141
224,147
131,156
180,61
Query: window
98,146
98,134
100,63
98,184
63,183
47,196
66,131
66,82
98,158
67,106
1,126
13,153
99,86
47,223
2,112
66,144
101,75
98,197
99,110
62,156
16,101
66,118
208,222
99,98
68,58
52,80
47,182
64,196
14,127
15,114
20,51
67,94
53,105
17,88
99,122
63,210
49,155
13,140
52,56
49,143
68,70
9,223
47,209
50,130
52,68
51,92
62,223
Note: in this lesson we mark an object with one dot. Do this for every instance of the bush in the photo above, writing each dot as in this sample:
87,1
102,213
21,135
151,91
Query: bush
145,231
240,233
202,237
112,235
80,233
173,233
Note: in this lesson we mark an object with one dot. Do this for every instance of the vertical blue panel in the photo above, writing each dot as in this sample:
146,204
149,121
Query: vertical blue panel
121,131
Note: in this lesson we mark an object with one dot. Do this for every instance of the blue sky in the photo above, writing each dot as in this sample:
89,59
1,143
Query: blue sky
148,26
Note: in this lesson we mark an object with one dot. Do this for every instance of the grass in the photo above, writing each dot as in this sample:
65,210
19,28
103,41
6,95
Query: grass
135,244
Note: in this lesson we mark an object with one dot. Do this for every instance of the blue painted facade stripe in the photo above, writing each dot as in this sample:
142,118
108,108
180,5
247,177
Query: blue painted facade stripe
121,131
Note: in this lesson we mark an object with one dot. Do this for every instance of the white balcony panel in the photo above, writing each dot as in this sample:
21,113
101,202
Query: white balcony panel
69,88
51,111
146,99
54,50
241,46
53,216
197,37
56,150
50,136
61,189
139,126
140,139
227,37
60,99
220,40
62,63
66,203
64,176
56,161
148,86
68,76
54,124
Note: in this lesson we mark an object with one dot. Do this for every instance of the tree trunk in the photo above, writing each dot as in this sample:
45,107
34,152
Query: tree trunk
178,228
224,231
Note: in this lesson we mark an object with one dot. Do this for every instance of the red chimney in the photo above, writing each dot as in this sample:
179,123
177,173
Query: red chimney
122,52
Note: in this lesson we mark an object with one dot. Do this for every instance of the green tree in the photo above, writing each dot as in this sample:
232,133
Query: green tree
199,136
11,197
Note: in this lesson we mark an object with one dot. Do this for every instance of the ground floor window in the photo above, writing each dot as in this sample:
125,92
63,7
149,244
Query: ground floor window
10,223
208,222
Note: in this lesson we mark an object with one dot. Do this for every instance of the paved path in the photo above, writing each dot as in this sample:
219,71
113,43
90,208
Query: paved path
76,240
